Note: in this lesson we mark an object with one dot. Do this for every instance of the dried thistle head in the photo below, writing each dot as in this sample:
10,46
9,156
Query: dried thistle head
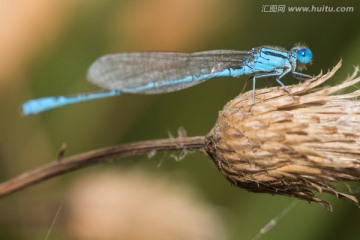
289,146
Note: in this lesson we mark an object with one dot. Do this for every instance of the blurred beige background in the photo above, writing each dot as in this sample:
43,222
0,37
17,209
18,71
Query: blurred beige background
46,47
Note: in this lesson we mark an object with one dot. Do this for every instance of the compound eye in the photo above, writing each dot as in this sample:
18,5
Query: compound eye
304,55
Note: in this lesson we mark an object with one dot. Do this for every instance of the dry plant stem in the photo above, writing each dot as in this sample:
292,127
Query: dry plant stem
294,146
64,165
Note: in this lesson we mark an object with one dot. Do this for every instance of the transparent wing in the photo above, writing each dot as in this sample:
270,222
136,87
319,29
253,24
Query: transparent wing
158,72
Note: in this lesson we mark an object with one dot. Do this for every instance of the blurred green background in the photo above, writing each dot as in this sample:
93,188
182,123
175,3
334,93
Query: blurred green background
46,47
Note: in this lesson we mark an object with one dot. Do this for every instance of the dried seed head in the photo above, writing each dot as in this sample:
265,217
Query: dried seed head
290,146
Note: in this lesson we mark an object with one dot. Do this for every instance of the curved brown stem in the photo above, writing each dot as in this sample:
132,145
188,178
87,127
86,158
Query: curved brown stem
64,165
